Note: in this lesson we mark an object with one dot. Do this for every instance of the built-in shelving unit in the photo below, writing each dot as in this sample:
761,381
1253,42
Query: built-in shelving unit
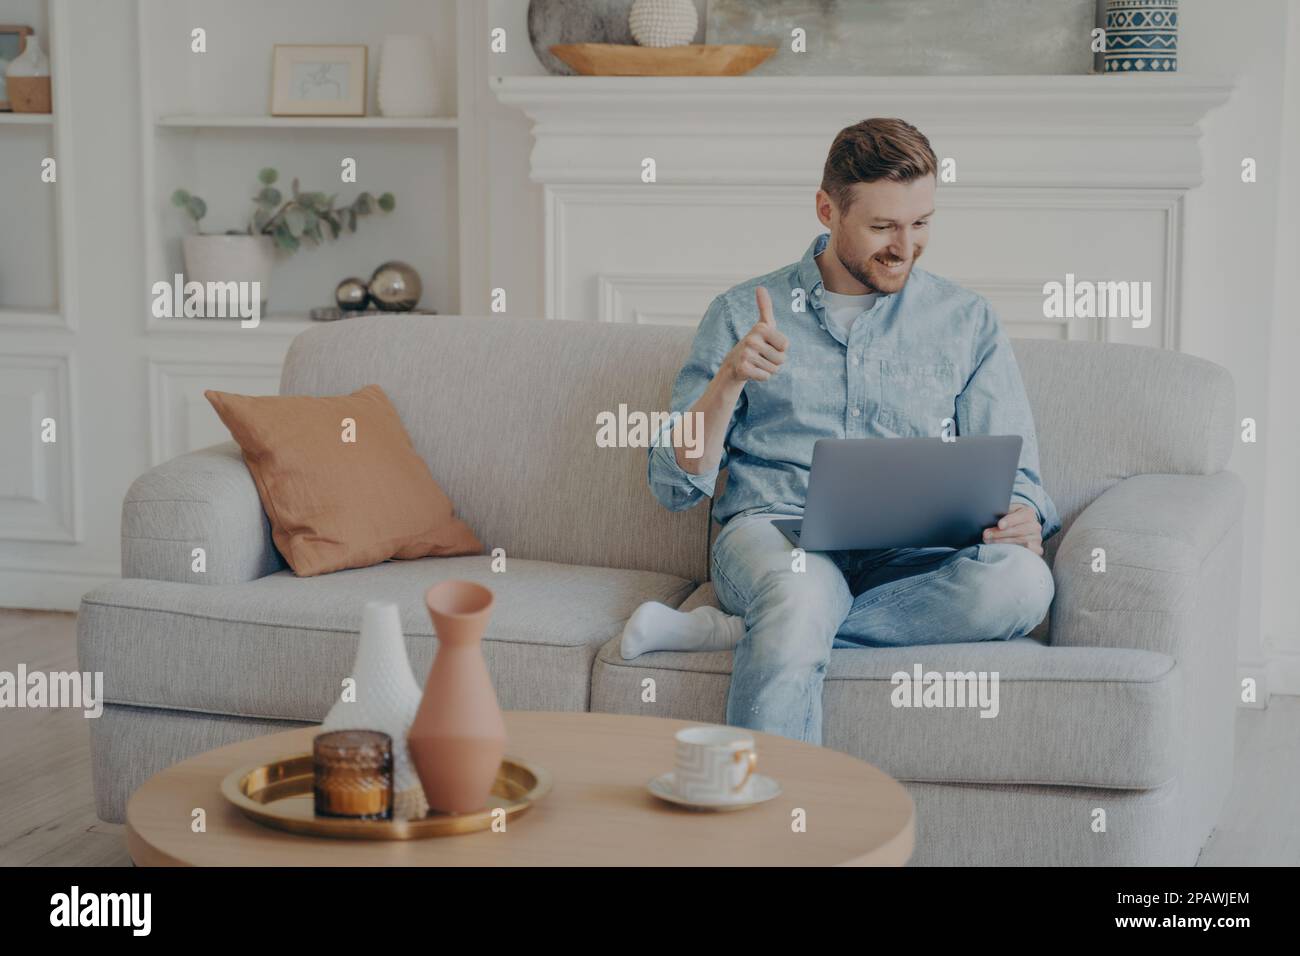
205,127
36,261
208,130
126,390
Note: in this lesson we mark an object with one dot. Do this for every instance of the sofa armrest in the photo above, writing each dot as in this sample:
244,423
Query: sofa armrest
206,499
1172,574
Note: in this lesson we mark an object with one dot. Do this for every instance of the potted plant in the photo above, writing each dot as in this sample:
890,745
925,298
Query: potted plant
276,223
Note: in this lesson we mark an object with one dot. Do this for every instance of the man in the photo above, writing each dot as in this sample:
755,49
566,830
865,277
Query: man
852,341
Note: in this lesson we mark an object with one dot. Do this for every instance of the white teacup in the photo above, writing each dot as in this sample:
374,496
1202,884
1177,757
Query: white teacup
714,764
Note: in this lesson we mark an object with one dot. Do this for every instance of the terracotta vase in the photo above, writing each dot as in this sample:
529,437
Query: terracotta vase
459,736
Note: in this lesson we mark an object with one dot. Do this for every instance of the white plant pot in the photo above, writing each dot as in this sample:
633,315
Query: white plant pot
230,259
408,78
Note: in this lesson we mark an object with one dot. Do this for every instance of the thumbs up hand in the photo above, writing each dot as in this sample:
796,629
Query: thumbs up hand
761,352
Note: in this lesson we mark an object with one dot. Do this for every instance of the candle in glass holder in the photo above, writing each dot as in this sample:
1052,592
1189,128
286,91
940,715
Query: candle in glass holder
353,774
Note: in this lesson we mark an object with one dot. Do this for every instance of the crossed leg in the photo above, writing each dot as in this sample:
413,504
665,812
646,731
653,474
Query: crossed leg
891,598
985,592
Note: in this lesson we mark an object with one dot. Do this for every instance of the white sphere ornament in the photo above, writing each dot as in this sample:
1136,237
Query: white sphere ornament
661,23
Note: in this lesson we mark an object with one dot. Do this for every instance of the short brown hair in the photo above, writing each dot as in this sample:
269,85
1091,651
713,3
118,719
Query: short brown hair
872,150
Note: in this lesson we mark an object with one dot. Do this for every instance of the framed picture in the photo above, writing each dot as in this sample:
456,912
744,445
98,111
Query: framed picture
309,80
12,41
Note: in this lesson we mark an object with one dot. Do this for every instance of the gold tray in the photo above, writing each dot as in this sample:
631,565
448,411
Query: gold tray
280,794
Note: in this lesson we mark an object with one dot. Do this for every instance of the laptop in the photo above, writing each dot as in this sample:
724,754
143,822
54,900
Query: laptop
868,493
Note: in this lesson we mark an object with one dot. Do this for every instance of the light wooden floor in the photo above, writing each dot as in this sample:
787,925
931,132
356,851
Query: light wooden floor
47,815
47,810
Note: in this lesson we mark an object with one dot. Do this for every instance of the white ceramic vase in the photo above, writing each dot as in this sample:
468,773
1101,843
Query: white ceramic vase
408,79
31,62
240,258
387,698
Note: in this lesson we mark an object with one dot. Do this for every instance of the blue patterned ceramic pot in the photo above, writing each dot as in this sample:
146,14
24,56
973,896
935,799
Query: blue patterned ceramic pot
1141,36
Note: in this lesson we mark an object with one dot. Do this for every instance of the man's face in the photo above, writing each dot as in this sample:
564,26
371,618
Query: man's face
883,232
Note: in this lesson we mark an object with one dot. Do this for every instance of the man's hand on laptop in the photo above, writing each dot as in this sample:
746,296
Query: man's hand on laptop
1018,526
761,353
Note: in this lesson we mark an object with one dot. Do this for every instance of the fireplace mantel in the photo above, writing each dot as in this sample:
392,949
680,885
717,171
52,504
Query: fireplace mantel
1053,175
1096,130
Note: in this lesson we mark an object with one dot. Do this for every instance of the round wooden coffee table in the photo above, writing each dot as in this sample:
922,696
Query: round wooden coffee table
598,813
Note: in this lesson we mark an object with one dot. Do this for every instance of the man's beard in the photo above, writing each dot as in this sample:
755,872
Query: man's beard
874,276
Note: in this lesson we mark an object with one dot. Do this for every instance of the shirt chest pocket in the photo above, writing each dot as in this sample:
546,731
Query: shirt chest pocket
916,397
809,388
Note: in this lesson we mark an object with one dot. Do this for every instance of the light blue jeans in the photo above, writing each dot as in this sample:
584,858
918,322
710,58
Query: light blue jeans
878,598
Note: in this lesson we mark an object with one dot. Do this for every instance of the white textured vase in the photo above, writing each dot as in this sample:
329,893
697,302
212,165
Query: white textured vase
387,697
408,78
661,23
31,62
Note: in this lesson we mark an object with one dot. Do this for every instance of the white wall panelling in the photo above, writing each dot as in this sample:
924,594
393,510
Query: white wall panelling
1095,233
181,419
38,479
626,229
1019,306
652,298
1280,561
607,245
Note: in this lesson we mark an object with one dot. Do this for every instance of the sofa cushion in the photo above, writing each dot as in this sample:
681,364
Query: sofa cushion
1080,716
279,647
336,500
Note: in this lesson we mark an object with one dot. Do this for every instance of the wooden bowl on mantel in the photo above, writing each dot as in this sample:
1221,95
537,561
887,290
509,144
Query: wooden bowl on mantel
625,59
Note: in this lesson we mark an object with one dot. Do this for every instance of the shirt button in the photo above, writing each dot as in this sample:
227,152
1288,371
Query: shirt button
855,413
855,360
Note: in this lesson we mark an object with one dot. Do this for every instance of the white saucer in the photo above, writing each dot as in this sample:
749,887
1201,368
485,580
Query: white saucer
761,790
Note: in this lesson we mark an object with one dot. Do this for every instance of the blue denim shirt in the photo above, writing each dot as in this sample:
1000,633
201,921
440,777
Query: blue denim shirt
931,351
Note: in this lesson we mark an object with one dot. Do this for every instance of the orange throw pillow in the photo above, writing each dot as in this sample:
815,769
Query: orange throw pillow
336,503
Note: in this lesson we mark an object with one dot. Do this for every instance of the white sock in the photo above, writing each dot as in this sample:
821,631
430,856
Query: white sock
657,627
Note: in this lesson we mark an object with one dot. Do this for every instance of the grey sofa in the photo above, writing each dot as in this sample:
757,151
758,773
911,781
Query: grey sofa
1121,701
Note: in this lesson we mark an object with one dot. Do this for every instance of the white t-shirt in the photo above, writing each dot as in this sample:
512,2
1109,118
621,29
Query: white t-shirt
843,310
